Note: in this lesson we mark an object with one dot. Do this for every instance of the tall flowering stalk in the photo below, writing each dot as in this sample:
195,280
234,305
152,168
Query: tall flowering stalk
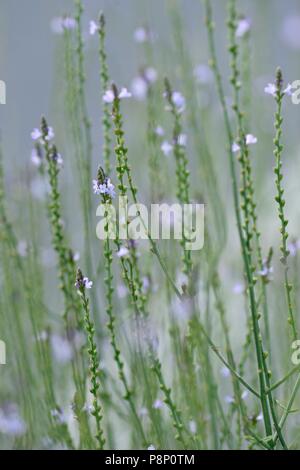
182,173
279,95
82,284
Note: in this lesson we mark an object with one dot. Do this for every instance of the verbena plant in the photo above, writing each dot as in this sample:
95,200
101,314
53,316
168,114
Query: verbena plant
134,344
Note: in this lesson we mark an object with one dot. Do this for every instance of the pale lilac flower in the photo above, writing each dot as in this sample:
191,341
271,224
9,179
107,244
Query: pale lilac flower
229,399
288,90
85,283
76,256
56,25
36,134
203,74
158,404
150,74
293,247
124,93
11,422
58,159
259,417
235,147
251,139
139,88
159,131
243,27
50,135
42,336
166,148
123,251
104,188
245,394
151,447
182,140
193,426
93,27
266,272
141,35
122,291
36,159
271,89
178,100
69,23
108,96
238,288
225,372
88,408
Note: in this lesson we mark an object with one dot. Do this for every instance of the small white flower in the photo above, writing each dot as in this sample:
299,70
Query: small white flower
245,394
229,399
203,74
62,349
271,89
143,411
182,140
243,27
124,93
36,158
93,27
166,148
123,251
178,100
235,147
76,256
150,74
140,35
250,139
151,447
259,417
108,96
158,404
225,372
10,422
139,88
87,283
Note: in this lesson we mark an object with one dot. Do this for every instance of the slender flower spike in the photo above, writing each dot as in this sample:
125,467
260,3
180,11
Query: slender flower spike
103,185
271,89
82,283
243,27
94,27
109,96
166,148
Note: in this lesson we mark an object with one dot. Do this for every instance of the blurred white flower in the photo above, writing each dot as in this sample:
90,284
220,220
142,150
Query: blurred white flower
182,140
141,35
158,404
151,447
93,27
193,427
159,131
123,251
139,88
178,100
166,148
243,27
22,248
124,93
203,74
61,348
150,74
11,422
291,31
